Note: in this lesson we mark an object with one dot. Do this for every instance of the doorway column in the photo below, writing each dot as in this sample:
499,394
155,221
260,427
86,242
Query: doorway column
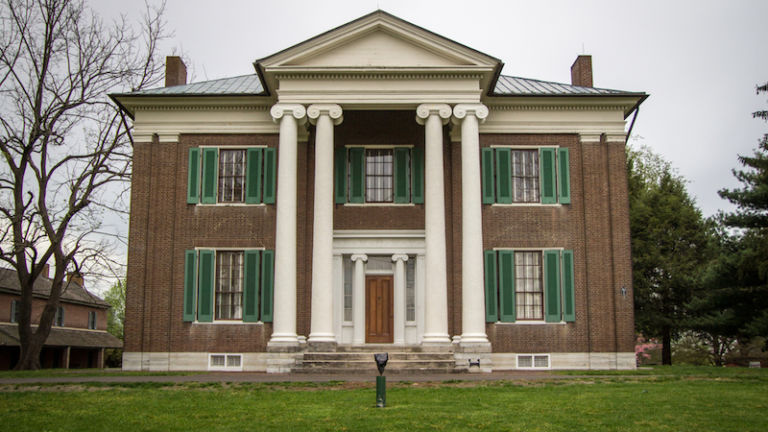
434,117
321,322
358,299
290,116
399,298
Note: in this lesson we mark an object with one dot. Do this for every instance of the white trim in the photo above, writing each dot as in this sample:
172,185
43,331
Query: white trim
379,204
525,205
524,147
533,361
233,147
379,146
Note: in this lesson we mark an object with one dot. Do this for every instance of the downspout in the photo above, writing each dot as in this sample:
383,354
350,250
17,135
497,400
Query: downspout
632,125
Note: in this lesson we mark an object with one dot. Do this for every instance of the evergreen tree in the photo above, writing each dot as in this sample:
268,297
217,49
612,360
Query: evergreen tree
669,240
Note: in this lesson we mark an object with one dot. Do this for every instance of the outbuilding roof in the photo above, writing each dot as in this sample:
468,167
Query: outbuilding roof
71,292
9,336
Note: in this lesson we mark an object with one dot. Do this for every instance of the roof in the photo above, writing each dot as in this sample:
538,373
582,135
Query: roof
234,86
9,336
505,86
516,86
71,293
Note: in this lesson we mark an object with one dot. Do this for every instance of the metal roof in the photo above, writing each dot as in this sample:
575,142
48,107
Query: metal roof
240,85
516,86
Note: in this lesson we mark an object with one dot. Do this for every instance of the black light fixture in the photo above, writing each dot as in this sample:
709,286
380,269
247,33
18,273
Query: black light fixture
381,380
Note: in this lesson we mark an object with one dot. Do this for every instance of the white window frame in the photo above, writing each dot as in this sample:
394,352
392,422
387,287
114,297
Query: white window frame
218,156
529,147
533,361
226,356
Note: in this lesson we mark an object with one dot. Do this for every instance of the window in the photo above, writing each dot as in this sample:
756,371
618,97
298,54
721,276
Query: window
58,319
224,362
348,275
92,320
528,285
529,304
533,361
379,175
525,176
231,176
410,289
224,175
15,304
228,285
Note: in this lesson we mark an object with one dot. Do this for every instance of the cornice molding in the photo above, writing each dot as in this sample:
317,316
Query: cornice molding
558,107
195,107
384,75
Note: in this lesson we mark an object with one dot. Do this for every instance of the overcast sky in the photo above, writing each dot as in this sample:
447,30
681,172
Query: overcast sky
699,60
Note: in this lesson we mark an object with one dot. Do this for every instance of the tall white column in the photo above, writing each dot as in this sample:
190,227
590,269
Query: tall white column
472,290
289,116
433,117
399,298
358,299
321,323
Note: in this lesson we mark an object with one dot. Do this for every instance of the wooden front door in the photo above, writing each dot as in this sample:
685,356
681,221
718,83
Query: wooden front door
379,307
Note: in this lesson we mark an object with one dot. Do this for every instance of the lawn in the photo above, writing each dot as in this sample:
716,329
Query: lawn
704,401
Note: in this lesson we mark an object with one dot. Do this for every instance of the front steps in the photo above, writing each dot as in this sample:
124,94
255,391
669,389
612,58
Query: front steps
359,359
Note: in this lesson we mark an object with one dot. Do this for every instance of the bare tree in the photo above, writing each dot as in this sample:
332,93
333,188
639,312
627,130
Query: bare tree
64,145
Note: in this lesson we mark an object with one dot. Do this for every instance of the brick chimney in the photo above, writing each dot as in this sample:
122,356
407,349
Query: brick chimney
581,71
175,71
75,277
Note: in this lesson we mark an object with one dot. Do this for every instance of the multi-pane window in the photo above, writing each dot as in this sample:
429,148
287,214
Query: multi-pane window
348,275
58,319
378,175
229,285
529,294
92,320
231,176
525,176
410,289
15,304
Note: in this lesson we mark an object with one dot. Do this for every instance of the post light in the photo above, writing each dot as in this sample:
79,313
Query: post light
381,380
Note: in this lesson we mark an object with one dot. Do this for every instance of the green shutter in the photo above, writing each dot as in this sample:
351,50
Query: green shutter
193,182
491,287
402,185
547,171
14,311
569,303
563,176
253,176
552,286
267,284
190,284
417,175
251,286
507,285
504,175
340,188
486,155
210,175
206,282
270,175
357,175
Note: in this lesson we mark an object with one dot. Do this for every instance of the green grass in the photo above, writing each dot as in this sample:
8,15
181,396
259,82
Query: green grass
51,373
673,401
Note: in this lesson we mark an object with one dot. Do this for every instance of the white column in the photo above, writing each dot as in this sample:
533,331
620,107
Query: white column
289,116
472,290
321,323
433,117
399,298
358,299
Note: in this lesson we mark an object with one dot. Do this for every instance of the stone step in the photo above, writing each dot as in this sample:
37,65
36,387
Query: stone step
403,364
374,372
381,348
360,356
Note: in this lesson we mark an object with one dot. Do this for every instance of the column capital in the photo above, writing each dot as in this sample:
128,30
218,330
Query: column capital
399,257
331,110
423,112
361,257
461,111
280,110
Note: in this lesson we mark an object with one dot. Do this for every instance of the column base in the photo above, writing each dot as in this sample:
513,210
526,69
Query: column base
436,342
321,346
284,343
472,339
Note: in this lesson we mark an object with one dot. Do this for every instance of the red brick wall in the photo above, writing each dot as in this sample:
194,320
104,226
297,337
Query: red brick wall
75,315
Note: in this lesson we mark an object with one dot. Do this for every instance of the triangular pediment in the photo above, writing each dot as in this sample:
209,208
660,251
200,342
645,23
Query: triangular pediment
379,40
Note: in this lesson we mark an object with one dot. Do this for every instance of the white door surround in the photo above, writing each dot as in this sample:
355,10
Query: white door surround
397,246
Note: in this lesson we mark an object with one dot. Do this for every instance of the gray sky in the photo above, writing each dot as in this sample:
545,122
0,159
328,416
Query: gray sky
699,60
